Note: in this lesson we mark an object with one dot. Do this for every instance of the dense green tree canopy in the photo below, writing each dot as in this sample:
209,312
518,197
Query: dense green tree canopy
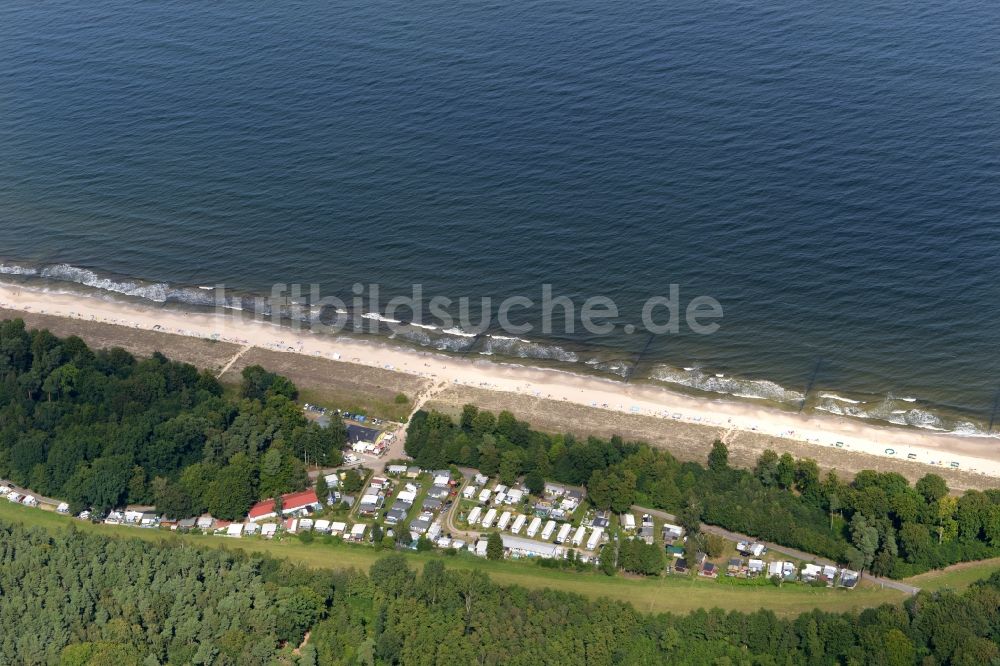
102,429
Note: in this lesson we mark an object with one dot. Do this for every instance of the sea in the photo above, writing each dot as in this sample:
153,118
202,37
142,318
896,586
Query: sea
828,173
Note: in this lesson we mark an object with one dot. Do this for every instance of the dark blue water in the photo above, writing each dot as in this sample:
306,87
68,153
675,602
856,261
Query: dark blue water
831,175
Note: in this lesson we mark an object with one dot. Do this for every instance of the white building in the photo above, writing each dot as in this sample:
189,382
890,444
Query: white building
474,515
358,532
484,495
518,524
581,532
569,504
488,519
268,530
811,572
563,533
514,496
517,547
595,538
550,527
628,521
469,492
533,528
338,527
504,520
235,530
673,531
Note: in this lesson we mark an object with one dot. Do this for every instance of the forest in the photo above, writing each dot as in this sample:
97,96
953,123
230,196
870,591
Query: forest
878,521
128,602
102,429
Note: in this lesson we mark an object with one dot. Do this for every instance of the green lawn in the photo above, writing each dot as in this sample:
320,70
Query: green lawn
957,577
673,594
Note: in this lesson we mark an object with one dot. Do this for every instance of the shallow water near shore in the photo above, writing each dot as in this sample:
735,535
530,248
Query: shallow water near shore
829,175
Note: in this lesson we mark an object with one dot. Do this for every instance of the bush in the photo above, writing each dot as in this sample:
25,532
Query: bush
401,399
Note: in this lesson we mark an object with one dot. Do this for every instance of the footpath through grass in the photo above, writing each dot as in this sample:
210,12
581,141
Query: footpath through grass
675,594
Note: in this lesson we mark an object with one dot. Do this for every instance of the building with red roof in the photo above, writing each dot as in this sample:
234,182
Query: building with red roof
292,504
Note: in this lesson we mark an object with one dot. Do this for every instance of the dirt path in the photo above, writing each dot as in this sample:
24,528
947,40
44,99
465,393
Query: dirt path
233,360
397,451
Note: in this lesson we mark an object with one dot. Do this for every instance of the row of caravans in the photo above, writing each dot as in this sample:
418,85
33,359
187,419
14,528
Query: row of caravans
518,522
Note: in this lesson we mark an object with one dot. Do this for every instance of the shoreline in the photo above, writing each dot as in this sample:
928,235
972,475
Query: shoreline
976,454
878,404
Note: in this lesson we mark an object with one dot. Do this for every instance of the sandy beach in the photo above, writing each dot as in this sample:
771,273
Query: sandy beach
979,455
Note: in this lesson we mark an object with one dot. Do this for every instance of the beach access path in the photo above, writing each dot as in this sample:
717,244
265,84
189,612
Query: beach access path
945,453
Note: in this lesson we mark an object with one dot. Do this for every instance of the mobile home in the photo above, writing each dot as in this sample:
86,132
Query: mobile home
474,515
563,533
488,519
518,524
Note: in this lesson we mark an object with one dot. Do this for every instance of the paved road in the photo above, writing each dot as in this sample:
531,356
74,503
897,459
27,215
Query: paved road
25,491
784,550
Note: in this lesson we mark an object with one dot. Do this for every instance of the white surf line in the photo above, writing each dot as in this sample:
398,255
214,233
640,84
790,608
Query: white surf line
235,358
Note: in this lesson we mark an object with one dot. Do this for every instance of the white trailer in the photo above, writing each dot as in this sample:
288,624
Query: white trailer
563,533
489,518
474,515
518,524
550,527
484,495
536,523
504,520
595,538
581,532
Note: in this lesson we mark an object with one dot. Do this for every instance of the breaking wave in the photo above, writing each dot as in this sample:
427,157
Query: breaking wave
519,348
696,378
6,269
619,368
903,410
898,411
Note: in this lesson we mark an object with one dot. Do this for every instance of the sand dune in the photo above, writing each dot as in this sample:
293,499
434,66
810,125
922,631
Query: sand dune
972,454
